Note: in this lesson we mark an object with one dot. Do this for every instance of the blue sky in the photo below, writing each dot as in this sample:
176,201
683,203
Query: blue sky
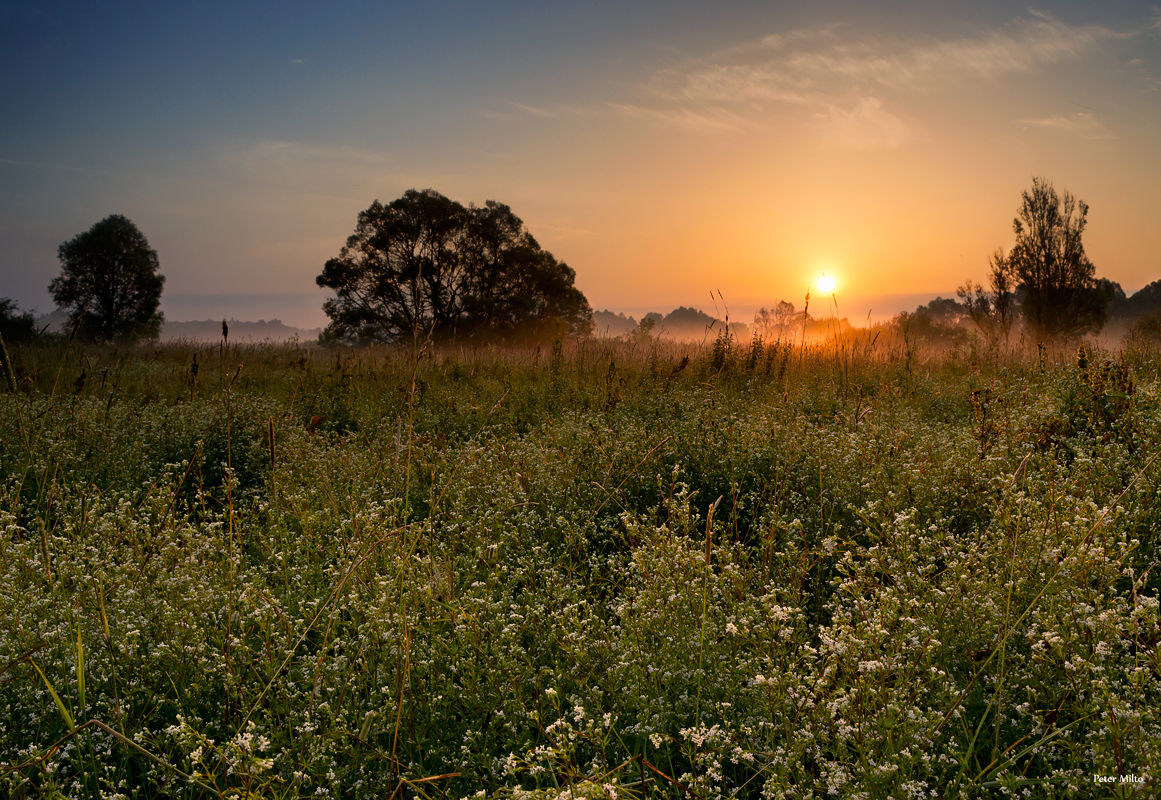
664,150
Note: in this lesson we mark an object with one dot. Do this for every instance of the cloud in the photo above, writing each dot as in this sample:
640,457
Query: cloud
865,125
797,67
533,111
565,231
1028,45
304,168
688,119
851,83
1081,125
274,150
557,111
51,165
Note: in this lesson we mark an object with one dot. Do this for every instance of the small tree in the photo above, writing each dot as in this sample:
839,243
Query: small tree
1061,298
774,323
109,282
15,325
993,311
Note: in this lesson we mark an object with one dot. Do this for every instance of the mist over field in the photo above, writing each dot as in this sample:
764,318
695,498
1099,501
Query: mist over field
211,331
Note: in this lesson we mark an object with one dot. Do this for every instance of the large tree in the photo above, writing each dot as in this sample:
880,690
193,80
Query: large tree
1061,298
426,263
109,282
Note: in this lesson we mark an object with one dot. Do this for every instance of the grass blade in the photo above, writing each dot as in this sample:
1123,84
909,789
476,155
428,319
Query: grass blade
64,712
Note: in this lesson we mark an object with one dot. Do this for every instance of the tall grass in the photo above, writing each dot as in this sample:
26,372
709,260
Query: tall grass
767,569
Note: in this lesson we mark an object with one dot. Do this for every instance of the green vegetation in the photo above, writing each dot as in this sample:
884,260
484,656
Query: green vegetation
601,569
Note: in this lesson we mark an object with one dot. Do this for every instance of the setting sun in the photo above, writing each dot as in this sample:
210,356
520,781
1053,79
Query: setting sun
825,283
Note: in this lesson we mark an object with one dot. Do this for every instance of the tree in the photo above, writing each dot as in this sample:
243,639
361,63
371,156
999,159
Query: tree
15,325
772,323
1147,329
1060,296
425,262
109,282
993,312
944,311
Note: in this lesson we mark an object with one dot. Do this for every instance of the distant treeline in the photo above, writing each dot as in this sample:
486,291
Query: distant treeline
681,323
22,326
948,321
942,321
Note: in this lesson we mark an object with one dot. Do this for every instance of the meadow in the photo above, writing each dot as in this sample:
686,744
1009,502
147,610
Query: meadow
593,569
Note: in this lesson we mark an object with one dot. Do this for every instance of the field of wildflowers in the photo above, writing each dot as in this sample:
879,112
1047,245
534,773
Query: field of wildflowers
604,569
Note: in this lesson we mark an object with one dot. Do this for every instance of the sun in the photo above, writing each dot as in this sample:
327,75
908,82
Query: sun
825,283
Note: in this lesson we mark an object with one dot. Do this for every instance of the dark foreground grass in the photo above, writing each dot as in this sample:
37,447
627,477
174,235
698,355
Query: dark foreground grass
592,570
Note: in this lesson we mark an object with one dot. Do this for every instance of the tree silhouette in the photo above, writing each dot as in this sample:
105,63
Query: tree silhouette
774,323
15,325
993,311
1061,299
109,282
425,262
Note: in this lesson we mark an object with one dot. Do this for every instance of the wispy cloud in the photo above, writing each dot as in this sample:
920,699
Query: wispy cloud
566,231
854,84
555,111
50,165
796,67
536,111
865,125
276,151
1028,45
304,168
711,120
1082,125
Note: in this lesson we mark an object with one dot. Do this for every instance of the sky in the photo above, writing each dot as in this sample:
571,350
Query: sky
667,151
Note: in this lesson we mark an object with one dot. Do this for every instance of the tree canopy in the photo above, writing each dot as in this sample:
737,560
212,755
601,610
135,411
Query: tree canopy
109,282
1060,296
427,263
